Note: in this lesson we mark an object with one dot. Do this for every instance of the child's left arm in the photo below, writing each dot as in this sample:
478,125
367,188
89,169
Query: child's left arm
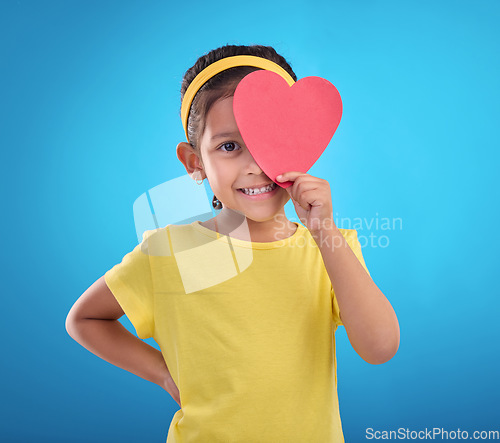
369,319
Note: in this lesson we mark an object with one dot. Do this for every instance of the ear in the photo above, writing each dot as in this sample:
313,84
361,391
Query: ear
189,158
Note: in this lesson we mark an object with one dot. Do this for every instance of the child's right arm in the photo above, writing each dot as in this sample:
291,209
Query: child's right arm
93,322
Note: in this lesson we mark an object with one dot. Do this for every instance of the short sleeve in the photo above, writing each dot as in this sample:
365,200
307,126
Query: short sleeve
131,283
351,237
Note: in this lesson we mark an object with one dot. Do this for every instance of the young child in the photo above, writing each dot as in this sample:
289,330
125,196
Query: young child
243,306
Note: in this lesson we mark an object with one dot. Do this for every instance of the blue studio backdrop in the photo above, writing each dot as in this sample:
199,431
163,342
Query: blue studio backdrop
90,121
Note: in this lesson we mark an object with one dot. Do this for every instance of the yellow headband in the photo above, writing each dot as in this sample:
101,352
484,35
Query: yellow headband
222,65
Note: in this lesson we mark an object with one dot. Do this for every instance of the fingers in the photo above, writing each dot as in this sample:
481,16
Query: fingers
301,192
291,175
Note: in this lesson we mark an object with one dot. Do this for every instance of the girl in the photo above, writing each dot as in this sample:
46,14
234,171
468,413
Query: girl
244,306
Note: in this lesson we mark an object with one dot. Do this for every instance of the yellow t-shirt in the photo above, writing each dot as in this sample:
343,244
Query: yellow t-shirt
246,330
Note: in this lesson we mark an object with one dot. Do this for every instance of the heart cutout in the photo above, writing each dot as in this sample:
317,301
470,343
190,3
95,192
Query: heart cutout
286,128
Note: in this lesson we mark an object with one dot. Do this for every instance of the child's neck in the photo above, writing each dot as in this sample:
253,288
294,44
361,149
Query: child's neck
236,225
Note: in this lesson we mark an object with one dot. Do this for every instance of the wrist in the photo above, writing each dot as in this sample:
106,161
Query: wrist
325,228
163,374
329,238
169,385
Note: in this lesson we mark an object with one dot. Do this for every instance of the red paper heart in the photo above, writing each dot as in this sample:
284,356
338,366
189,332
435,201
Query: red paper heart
286,128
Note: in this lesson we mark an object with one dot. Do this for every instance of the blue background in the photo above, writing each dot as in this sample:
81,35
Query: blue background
90,120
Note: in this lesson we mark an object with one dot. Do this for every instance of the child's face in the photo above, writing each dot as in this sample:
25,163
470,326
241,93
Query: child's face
229,166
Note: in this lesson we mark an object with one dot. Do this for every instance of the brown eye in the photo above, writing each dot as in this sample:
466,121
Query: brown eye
229,147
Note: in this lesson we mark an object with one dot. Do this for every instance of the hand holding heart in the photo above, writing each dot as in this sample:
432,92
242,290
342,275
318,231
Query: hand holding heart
287,129
312,199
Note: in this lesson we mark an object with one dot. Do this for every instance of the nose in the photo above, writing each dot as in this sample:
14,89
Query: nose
250,165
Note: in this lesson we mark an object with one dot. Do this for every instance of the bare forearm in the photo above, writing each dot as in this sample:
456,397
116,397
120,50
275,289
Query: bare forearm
370,321
111,341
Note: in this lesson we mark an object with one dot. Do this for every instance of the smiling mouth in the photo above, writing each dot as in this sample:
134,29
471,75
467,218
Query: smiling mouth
257,191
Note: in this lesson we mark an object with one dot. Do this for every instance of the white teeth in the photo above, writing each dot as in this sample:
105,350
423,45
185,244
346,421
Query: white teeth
255,191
